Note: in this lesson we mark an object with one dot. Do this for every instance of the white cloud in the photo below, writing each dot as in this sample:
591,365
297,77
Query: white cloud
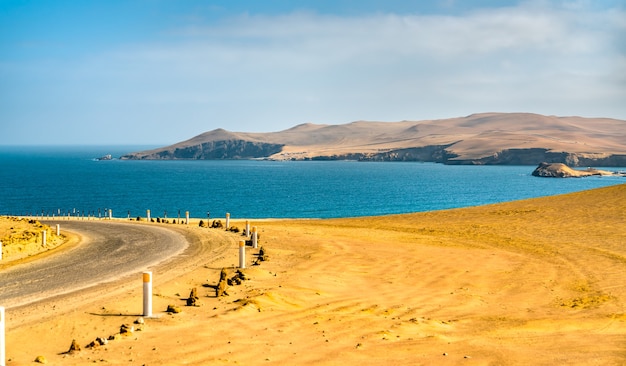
271,72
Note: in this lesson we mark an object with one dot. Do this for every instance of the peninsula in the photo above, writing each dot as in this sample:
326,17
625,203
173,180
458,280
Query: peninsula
487,138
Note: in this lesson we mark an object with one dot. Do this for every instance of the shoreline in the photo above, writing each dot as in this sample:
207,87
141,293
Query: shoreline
297,199
537,281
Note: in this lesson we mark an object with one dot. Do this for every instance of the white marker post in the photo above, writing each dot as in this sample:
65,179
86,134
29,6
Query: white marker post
186,217
242,254
227,221
3,356
147,294
58,229
43,238
247,229
148,215
110,214
254,237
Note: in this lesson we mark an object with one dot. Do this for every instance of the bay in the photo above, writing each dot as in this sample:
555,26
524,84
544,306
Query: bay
65,179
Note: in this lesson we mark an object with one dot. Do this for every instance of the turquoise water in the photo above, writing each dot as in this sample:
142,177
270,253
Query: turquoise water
62,179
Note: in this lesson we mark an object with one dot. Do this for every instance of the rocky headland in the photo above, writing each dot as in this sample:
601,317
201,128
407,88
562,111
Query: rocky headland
488,138
560,170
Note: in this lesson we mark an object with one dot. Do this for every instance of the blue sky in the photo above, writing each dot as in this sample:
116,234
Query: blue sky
158,72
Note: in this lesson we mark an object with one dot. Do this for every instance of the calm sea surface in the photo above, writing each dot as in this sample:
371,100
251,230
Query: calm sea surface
62,179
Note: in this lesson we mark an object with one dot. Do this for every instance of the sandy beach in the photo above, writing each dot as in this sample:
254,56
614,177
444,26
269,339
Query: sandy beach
538,281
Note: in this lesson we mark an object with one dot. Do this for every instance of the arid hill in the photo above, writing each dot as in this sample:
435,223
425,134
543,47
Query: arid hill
488,138
560,170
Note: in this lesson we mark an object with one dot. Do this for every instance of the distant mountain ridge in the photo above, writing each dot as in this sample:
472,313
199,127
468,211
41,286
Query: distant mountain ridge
486,138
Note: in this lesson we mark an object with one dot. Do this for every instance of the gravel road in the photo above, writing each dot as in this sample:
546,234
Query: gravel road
107,251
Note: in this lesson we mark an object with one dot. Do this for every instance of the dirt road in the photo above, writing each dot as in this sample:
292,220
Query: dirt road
107,251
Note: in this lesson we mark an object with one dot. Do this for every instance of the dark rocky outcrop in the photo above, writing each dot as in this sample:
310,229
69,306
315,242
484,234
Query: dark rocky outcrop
440,154
534,155
261,257
193,297
560,170
173,309
225,149
74,347
222,284
434,153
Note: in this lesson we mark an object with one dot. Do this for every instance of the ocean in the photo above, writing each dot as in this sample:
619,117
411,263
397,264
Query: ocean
62,180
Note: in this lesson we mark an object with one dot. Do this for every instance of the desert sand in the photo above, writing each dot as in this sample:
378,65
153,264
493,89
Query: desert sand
474,137
533,282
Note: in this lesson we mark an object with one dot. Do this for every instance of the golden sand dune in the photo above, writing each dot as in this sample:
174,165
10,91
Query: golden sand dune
23,238
488,138
533,282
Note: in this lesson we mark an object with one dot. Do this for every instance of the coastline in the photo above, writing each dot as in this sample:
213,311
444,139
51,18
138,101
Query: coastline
284,189
535,281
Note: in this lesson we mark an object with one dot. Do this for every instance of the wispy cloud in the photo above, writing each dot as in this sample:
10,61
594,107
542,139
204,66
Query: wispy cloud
253,72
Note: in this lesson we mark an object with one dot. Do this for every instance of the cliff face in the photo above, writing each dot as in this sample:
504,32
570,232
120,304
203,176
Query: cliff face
439,154
533,155
489,138
227,149
435,153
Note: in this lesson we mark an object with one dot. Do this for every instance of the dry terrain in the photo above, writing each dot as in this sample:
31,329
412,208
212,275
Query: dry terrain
22,238
533,282
485,138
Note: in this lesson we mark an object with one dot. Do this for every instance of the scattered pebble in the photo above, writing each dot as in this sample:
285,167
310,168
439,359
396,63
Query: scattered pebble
173,309
126,329
74,347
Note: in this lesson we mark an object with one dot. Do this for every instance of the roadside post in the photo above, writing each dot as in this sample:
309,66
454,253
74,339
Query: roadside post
247,228
110,214
147,294
227,220
148,215
2,339
59,228
242,254
186,217
43,238
254,237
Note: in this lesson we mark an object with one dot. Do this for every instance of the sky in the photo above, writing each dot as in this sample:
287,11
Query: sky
156,72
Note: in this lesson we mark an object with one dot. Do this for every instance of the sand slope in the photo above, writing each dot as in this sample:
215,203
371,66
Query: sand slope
464,139
537,282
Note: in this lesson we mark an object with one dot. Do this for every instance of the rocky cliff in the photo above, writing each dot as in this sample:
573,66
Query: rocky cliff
559,170
224,149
